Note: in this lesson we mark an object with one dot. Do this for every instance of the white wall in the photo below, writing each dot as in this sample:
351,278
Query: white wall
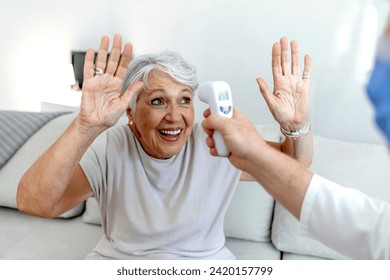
226,40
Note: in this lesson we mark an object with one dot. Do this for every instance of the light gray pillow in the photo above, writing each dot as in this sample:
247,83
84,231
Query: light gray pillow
365,167
249,215
14,169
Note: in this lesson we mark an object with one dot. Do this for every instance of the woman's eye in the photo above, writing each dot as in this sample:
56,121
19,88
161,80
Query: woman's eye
186,100
157,101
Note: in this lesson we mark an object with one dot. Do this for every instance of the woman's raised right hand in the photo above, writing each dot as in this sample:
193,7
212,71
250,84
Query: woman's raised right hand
102,103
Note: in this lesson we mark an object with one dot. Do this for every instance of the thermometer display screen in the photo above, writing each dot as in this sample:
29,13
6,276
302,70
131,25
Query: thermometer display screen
222,96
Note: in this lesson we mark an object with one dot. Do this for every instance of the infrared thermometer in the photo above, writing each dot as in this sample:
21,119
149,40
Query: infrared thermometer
219,97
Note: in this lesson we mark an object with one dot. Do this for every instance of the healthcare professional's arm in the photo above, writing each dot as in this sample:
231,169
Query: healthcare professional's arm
344,219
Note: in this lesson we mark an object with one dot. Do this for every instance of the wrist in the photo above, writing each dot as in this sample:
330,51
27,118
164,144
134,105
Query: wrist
294,134
87,131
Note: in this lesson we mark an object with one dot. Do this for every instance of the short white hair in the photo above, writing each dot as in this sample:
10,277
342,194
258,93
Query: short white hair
169,62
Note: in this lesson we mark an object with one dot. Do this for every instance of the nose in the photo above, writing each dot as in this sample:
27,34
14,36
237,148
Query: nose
173,112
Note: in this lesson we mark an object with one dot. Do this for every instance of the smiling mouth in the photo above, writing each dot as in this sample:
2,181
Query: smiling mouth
170,133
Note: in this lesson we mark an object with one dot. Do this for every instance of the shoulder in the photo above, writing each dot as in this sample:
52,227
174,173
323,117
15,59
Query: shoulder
119,135
116,136
197,131
198,138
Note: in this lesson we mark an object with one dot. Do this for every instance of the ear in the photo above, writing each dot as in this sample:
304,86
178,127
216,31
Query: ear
130,115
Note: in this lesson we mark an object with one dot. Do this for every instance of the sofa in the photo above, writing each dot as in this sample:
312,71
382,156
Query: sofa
256,226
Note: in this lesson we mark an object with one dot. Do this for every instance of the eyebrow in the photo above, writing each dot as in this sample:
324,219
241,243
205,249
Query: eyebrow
151,90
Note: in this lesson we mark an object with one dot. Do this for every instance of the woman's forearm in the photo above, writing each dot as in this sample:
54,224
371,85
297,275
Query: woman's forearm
46,180
300,148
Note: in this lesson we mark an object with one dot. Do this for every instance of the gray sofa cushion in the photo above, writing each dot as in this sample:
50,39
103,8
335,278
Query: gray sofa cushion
250,250
249,215
16,166
16,127
28,237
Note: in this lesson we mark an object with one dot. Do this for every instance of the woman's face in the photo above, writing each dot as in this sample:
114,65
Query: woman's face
164,116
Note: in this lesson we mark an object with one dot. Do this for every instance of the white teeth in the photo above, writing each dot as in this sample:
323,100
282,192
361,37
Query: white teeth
171,132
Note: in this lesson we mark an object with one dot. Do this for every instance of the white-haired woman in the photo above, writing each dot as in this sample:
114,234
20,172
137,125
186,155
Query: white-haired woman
160,193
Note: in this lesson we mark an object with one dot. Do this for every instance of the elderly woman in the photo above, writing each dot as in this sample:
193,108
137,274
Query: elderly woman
160,193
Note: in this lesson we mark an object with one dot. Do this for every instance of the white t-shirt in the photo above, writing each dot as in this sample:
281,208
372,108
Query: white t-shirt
159,209
346,220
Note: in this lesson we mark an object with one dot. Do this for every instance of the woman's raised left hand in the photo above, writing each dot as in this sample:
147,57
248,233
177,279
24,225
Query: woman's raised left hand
289,101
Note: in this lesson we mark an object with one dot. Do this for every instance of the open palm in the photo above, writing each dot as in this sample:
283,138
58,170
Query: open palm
102,103
289,101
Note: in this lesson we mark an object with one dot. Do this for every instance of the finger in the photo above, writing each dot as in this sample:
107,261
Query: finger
264,89
294,58
284,56
101,58
210,141
209,132
124,61
206,113
210,123
130,91
88,64
113,60
307,67
213,152
211,144
276,58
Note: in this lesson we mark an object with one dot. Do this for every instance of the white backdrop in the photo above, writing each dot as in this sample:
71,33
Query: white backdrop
226,40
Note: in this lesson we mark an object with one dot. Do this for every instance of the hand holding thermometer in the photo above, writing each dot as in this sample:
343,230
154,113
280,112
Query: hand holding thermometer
219,97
